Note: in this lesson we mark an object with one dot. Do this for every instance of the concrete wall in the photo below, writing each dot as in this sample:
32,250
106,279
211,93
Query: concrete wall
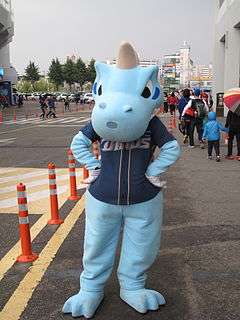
227,46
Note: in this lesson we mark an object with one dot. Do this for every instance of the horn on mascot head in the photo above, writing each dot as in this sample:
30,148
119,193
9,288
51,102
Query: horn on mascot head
127,57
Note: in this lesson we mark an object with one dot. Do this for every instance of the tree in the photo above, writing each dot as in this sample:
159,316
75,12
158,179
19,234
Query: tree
32,73
56,73
69,72
43,85
91,73
81,72
24,86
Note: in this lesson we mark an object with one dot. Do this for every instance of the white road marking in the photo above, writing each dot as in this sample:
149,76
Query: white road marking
71,120
6,170
56,120
38,183
7,141
66,123
12,202
58,125
24,176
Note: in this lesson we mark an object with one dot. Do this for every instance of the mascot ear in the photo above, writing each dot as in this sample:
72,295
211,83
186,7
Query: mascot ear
101,69
149,79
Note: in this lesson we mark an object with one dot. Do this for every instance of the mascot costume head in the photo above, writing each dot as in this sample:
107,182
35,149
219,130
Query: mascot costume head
125,97
125,191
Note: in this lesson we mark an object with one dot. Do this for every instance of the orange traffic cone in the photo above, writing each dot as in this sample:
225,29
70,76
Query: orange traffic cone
24,230
72,173
55,219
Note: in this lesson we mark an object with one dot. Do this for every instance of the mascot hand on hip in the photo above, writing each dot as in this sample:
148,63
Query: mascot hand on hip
127,191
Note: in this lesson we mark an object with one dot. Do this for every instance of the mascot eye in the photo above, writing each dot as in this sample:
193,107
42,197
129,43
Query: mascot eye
100,90
147,90
95,88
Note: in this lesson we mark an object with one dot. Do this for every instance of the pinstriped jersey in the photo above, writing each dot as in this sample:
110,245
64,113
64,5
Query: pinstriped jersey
122,180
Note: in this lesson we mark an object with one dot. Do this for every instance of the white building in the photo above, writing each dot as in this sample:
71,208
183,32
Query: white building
226,74
186,65
8,75
177,68
202,72
142,62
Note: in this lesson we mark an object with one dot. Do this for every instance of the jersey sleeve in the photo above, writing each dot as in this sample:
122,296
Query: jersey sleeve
159,133
90,133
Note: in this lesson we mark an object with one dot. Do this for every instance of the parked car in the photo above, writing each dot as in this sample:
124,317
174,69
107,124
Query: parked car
62,96
72,97
88,98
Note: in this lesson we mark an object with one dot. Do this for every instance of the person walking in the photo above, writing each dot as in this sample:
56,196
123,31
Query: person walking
183,101
67,104
165,103
233,124
51,106
172,102
211,133
189,118
43,105
20,101
205,97
202,113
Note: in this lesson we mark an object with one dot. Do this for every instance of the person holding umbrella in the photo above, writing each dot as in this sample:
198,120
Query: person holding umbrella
233,123
232,102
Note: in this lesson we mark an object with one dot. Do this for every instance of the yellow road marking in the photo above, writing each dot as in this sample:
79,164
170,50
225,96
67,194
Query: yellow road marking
8,260
35,205
18,301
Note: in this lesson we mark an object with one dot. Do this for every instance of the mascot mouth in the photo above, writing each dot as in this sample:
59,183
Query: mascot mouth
112,125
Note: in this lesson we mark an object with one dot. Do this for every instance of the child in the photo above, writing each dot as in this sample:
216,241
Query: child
212,134
233,123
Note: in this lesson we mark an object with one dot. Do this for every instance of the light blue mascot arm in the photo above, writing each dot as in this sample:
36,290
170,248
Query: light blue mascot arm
81,150
169,153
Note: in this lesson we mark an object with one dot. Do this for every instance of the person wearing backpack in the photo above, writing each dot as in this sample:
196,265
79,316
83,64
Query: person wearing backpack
188,116
183,101
202,113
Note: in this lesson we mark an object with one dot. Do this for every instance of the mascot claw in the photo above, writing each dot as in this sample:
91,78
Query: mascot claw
143,300
83,304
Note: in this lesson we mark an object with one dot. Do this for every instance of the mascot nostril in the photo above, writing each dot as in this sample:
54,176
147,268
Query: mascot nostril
127,108
112,125
125,191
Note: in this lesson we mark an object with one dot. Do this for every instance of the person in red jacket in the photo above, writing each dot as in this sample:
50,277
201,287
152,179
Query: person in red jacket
189,115
172,102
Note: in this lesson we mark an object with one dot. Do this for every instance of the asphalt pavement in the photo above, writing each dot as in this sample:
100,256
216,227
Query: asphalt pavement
197,268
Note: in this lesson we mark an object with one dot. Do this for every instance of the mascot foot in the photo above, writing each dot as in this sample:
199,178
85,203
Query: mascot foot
142,300
85,303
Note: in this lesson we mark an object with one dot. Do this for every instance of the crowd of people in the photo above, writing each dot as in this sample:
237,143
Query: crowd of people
195,113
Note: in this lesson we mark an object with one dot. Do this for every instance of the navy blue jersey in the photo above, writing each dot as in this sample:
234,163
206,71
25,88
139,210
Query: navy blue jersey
122,180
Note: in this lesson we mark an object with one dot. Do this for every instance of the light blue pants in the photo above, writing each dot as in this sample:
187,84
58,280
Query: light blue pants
141,240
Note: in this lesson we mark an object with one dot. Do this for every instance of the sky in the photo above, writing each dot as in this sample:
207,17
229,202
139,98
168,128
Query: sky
45,29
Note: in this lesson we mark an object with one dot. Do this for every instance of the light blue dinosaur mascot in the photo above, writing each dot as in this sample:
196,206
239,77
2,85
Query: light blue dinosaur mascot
126,188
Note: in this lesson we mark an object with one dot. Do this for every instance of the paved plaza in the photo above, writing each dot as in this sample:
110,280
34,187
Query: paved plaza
197,268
